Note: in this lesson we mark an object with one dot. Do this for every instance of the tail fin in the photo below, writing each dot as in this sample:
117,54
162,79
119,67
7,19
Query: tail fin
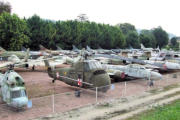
27,55
42,47
23,49
130,47
88,48
2,49
59,48
158,48
74,47
142,46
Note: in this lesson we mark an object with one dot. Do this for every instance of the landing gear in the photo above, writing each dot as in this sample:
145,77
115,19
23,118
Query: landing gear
77,93
151,83
53,80
33,67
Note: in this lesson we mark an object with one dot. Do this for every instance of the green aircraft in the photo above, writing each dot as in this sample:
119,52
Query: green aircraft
6,54
82,73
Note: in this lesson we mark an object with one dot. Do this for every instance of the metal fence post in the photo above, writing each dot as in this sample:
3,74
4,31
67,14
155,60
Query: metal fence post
125,90
53,102
96,93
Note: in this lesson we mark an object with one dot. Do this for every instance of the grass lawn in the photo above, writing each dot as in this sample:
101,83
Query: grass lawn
166,112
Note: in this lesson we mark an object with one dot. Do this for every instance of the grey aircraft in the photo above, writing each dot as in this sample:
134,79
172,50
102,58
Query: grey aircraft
6,54
134,71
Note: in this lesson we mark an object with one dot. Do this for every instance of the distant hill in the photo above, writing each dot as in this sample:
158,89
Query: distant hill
171,35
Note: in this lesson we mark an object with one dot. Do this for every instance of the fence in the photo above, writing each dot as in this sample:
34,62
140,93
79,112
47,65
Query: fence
56,103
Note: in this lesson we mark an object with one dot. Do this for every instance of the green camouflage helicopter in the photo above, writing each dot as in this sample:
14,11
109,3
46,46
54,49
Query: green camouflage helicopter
82,73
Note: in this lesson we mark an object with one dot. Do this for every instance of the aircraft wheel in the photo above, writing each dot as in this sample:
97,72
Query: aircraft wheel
151,83
53,81
33,67
116,79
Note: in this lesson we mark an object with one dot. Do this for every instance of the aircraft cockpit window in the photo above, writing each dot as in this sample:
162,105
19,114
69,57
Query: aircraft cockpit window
142,68
17,78
18,93
162,55
86,67
15,94
168,55
23,92
95,65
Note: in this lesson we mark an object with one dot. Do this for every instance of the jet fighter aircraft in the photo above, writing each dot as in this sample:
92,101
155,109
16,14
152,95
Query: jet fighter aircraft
133,70
5,54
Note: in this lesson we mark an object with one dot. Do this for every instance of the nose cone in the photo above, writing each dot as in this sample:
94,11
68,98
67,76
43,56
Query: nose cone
19,102
156,76
178,66
173,66
102,81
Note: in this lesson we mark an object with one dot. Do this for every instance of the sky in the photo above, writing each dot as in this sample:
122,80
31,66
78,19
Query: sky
144,14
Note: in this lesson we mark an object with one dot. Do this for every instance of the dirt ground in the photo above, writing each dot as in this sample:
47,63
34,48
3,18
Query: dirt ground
40,91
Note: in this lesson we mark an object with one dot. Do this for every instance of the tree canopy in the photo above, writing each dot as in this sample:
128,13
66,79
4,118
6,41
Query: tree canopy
5,7
31,32
13,32
130,34
161,36
147,38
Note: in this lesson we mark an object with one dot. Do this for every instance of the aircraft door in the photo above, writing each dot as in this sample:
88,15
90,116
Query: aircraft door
77,75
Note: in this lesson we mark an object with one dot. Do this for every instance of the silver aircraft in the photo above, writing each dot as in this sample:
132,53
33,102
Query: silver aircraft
134,71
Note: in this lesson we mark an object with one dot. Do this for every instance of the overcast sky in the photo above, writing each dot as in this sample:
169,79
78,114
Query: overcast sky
144,14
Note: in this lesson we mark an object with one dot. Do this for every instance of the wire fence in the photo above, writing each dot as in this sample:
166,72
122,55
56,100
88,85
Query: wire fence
57,103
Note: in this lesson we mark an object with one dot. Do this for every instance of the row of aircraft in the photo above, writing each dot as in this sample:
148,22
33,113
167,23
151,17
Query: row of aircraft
87,68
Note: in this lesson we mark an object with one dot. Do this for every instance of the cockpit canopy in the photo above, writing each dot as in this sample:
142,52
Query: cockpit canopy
135,66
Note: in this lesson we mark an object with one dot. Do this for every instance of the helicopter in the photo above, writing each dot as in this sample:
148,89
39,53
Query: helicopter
89,72
13,91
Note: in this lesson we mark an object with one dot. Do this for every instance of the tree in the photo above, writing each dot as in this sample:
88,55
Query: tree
174,41
132,39
126,27
12,31
147,38
5,7
174,44
42,32
161,37
130,34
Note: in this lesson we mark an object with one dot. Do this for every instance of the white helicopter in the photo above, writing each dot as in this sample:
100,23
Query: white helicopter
13,91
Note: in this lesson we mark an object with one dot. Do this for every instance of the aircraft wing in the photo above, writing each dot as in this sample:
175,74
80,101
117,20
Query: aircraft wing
151,66
38,62
4,65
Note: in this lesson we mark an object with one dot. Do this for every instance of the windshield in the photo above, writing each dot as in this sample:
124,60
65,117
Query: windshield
18,93
91,65
142,68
